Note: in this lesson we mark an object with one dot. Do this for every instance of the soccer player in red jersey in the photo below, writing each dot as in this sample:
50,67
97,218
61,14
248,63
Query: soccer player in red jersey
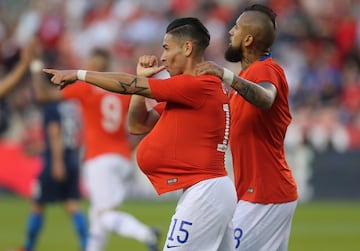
185,148
107,160
266,189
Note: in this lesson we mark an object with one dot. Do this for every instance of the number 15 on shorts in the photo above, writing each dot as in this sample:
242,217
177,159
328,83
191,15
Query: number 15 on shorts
179,233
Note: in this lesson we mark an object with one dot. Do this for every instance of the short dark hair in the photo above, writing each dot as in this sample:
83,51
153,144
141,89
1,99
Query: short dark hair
263,9
101,52
104,54
190,27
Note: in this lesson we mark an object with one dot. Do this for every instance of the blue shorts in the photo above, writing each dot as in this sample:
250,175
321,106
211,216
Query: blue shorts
49,190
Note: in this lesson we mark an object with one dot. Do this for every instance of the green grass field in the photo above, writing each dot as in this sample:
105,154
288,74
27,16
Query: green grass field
317,226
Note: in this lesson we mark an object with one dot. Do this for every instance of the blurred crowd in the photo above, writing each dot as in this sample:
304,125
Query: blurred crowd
318,45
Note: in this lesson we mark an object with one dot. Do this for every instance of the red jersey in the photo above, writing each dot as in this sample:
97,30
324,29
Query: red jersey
188,143
261,172
104,115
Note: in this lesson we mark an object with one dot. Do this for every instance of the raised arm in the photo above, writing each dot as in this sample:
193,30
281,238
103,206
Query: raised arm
13,78
261,95
141,119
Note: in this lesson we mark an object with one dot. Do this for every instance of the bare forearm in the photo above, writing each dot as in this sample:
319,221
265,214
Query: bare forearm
56,147
120,82
55,141
140,119
112,81
38,84
13,78
261,96
137,114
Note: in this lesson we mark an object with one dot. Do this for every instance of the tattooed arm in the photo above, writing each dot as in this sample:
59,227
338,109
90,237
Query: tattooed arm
120,82
261,95
112,81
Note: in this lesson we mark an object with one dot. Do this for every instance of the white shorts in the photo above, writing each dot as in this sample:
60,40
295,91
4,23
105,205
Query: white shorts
202,220
104,179
262,227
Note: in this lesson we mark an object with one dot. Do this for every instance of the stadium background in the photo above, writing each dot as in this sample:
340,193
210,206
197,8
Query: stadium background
318,45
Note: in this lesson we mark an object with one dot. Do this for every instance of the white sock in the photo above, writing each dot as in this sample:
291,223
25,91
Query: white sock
96,242
126,225
98,235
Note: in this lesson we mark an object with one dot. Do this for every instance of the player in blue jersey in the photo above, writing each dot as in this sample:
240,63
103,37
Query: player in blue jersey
59,178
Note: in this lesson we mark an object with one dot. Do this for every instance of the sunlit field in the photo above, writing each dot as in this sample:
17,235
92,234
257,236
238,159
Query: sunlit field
326,226
317,226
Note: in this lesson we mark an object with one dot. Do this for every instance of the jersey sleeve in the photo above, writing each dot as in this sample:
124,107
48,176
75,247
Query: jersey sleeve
265,72
183,89
159,108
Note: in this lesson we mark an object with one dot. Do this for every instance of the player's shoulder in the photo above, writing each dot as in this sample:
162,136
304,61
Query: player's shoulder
270,62
199,78
201,82
265,65
209,78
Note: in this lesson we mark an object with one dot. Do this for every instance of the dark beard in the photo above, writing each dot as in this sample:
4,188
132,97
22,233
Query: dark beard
233,54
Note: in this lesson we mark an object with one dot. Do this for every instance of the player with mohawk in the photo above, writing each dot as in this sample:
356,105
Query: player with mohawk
260,114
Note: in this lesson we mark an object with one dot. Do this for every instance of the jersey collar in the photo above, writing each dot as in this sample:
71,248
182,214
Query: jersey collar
266,56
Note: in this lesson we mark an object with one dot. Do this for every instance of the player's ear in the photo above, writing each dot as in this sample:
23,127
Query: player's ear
188,48
248,40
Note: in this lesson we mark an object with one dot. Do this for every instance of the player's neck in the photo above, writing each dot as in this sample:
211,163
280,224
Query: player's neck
190,67
246,61
252,57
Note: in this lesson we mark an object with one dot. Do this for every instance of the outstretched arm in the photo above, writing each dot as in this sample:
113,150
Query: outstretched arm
112,81
261,95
